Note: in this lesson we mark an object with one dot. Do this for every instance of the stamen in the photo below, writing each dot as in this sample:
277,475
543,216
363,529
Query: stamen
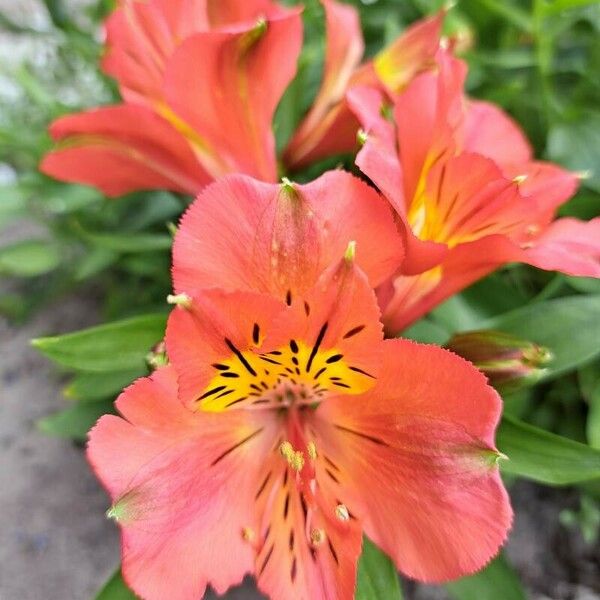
317,536
519,179
286,449
295,458
312,450
297,461
248,534
182,300
350,253
341,512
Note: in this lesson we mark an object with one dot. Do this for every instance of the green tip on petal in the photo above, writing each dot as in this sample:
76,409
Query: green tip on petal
253,35
361,137
288,187
287,184
350,253
493,457
116,512
261,26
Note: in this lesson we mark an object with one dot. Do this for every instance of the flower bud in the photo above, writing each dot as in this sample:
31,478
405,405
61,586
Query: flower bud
508,361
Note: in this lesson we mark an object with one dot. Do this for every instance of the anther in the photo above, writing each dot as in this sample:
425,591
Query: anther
286,450
317,537
296,461
295,458
341,512
248,534
312,450
519,179
182,300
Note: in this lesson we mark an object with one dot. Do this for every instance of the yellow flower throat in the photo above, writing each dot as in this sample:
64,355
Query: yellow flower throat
292,374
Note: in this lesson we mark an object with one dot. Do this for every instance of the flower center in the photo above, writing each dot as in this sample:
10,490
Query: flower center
296,374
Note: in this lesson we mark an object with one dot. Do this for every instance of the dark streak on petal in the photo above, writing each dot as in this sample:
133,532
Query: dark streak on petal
353,331
234,447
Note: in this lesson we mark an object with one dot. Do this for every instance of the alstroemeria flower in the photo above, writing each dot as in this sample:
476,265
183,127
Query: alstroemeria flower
330,126
468,195
281,432
200,79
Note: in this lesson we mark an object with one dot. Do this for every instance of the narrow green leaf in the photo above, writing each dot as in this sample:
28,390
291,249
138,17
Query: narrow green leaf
129,242
87,387
62,199
115,589
544,457
93,262
511,12
560,5
497,581
569,327
74,422
117,346
377,576
29,259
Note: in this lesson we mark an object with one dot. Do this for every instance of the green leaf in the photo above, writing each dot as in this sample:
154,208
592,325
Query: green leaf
62,199
117,346
74,422
29,259
587,285
576,145
115,589
13,204
483,300
545,457
497,581
377,576
569,327
593,418
129,242
560,5
426,332
95,261
95,386
511,12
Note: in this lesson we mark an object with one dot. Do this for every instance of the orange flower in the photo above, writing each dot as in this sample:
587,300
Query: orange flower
200,81
281,433
468,195
330,126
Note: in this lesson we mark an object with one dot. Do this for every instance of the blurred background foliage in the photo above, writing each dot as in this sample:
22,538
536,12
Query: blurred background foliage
538,59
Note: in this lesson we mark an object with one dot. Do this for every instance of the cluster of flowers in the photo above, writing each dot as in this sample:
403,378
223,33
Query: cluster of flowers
285,425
